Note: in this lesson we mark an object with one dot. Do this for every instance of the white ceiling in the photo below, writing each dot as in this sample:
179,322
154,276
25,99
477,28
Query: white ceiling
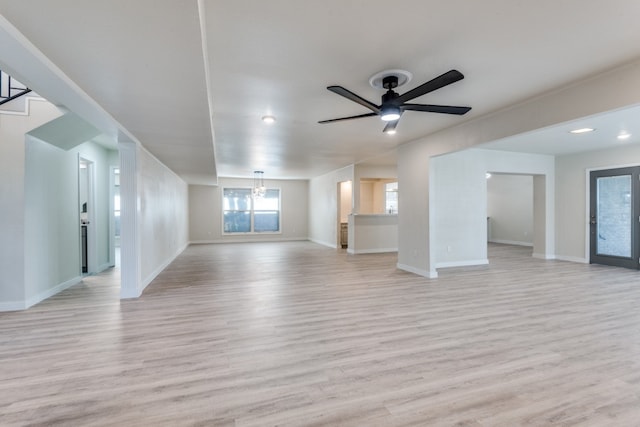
146,63
558,140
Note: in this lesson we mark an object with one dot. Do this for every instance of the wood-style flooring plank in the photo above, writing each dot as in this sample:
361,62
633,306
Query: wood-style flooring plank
296,334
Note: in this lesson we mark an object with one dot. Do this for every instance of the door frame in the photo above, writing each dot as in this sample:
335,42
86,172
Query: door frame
591,218
92,255
340,206
112,221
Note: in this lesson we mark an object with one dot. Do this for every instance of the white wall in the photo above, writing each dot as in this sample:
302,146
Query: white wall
414,208
154,215
205,211
52,236
379,197
103,159
458,209
346,200
373,233
323,205
542,167
373,195
323,199
12,215
458,202
114,161
163,217
615,89
572,196
367,197
510,209
41,209
543,236
368,171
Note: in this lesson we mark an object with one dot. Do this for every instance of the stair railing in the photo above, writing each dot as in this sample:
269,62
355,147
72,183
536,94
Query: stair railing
10,88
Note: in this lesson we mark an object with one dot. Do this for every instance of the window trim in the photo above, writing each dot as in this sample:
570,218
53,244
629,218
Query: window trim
251,212
386,199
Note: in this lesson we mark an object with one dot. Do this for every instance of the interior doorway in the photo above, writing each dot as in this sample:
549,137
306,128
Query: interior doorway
614,215
87,215
517,211
345,206
114,217
510,209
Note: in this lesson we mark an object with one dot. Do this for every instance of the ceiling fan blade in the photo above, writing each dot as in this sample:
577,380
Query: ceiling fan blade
349,118
447,109
355,98
390,126
442,80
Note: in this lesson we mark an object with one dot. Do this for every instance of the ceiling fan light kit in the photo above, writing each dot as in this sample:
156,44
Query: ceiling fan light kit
390,113
392,104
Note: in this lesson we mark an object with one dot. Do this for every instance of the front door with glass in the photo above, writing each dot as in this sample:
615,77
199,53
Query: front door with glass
614,217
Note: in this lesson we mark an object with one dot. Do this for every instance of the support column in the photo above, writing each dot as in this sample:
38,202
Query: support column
414,254
543,217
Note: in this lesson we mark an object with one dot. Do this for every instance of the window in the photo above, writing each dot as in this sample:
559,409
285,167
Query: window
244,214
391,197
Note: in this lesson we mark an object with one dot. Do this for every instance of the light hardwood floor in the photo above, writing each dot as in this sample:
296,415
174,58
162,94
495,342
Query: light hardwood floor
299,334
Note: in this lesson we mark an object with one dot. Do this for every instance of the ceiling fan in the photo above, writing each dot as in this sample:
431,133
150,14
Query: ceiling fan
393,105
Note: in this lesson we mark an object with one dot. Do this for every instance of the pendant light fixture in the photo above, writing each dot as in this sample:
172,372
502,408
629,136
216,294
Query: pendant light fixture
259,190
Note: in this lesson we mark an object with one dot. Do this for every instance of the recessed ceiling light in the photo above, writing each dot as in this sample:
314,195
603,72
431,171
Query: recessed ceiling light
268,119
582,130
390,132
624,136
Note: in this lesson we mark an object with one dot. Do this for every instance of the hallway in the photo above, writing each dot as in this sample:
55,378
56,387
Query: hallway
300,334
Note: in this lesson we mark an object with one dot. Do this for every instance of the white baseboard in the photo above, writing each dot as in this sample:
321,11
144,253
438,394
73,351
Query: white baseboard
145,282
511,242
418,271
371,251
543,256
466,263
30,302
572,259
12,306
104,267
129,293
323,243
249,240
